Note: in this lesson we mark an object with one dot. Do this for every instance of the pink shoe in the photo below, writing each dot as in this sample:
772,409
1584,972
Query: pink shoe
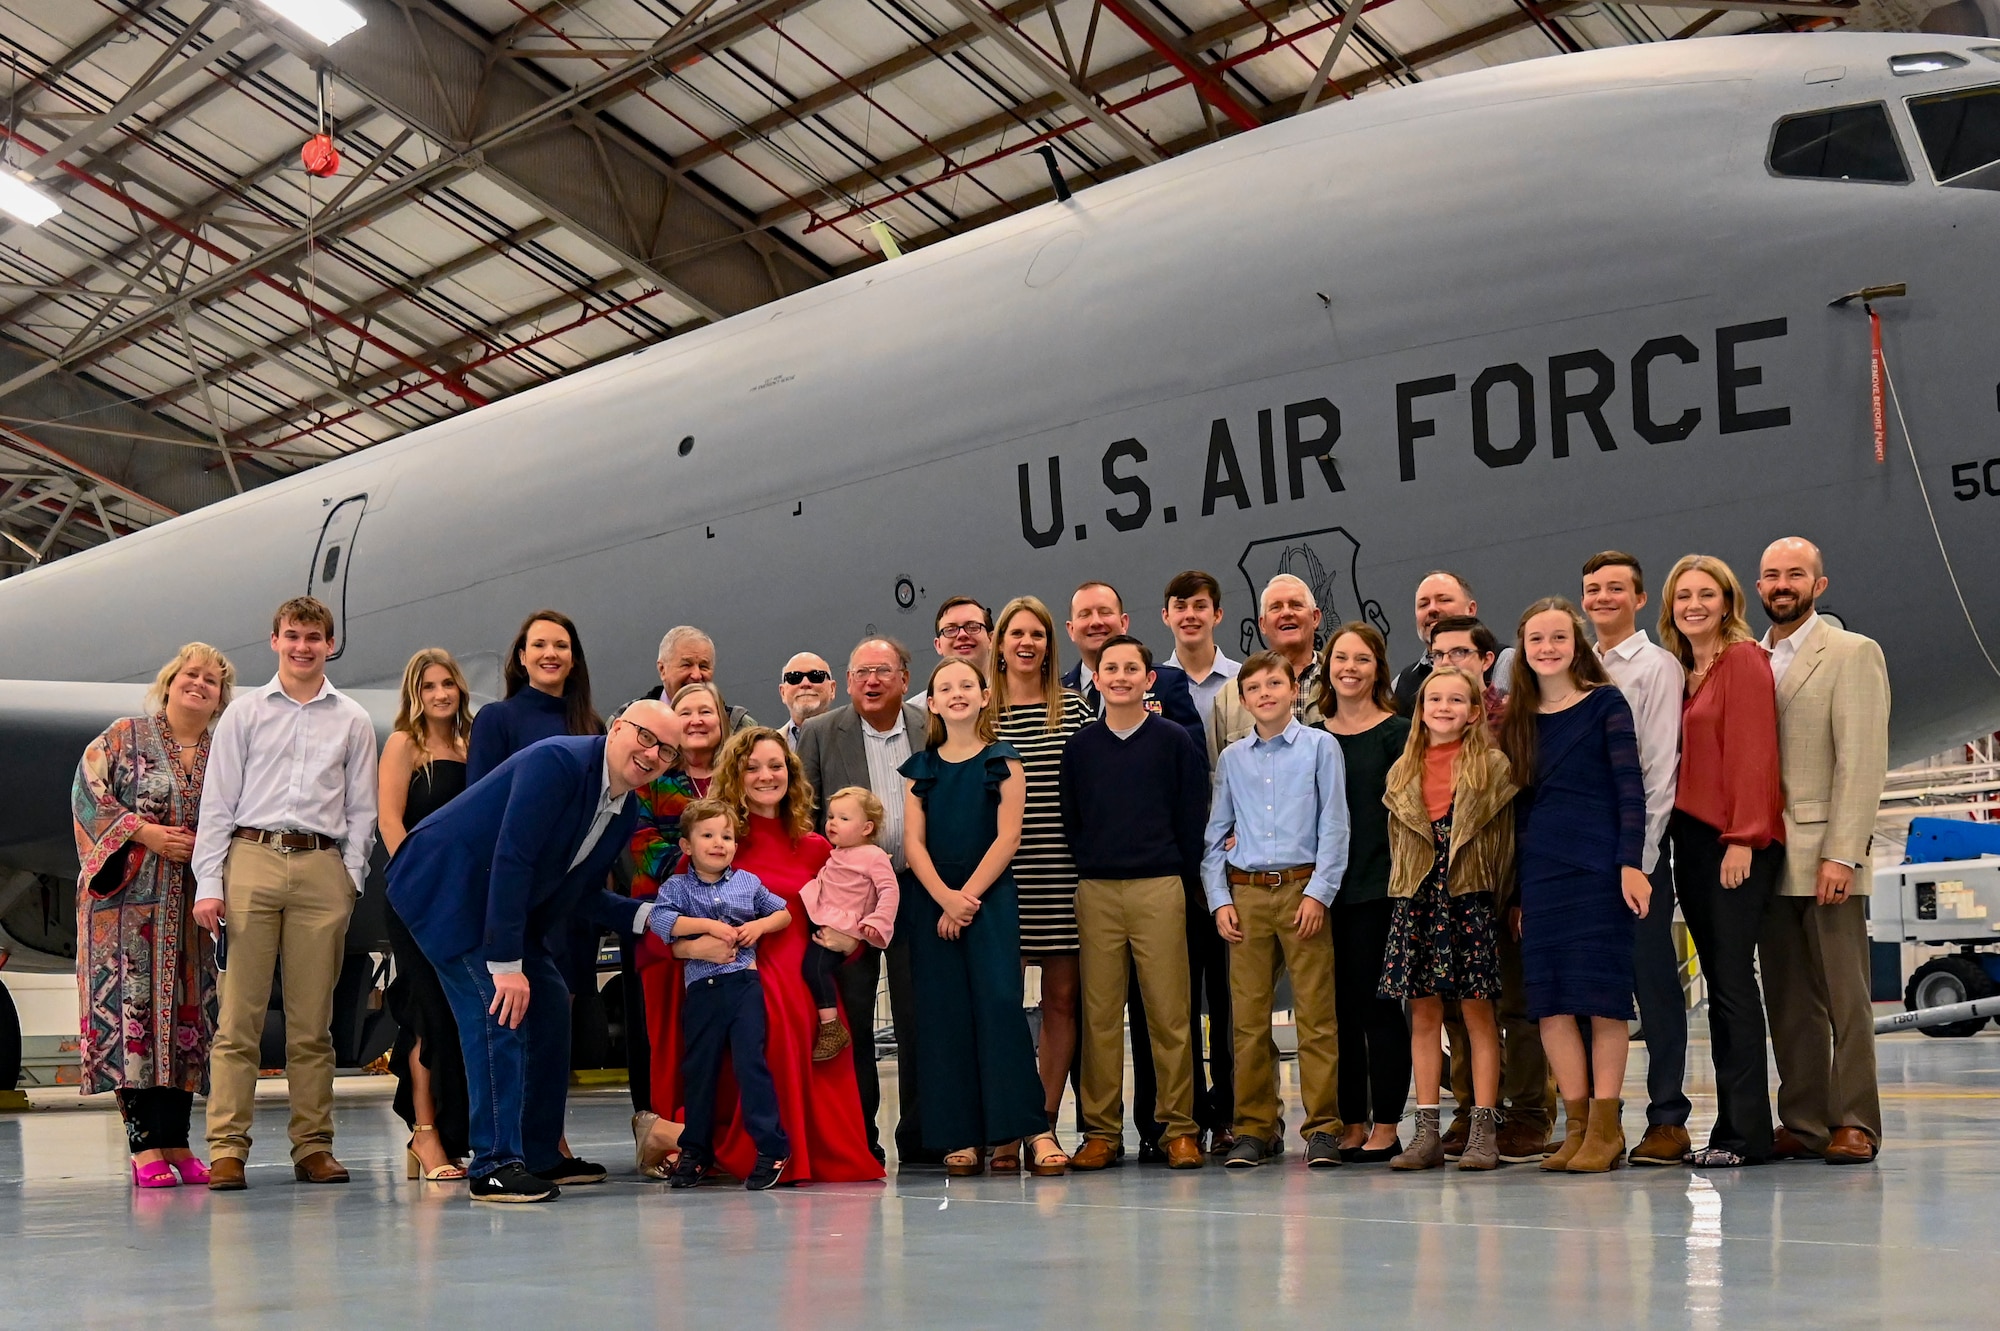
192,1171
159,1174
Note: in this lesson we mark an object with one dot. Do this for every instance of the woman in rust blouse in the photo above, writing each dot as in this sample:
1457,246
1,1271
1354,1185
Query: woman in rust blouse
1728,835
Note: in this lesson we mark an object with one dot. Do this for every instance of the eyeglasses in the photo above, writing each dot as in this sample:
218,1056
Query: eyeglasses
951,631
647,739
806,676
1455,655
875,671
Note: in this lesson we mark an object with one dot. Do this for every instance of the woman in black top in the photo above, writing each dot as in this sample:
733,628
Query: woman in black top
1359,707
423,769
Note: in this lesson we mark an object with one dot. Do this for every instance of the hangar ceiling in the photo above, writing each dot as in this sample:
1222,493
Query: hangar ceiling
526,189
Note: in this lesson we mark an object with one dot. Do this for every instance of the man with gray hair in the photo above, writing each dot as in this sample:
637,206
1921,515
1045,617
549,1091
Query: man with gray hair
1288,618
687,656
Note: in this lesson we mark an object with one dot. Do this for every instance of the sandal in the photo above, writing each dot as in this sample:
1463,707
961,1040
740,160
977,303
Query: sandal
652,1162
1051,1164
445,1173
1006,1159
966,1163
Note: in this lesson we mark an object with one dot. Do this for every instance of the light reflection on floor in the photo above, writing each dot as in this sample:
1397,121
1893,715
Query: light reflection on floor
1904,1243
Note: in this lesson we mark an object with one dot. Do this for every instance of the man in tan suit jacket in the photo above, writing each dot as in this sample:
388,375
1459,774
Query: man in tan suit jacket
1833,736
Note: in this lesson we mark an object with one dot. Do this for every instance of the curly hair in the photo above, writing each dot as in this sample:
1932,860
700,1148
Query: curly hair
797,815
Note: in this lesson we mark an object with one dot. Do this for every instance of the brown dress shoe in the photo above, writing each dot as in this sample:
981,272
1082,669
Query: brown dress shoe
1183,1152
1096,1153
320,1167
1523,1140
1663,1144
1849,1146
1785,1145
1455,1135
225,1174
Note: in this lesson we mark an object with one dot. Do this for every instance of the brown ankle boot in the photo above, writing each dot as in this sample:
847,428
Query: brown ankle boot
1574,1114
1482,1144
1427,1149
1604,1141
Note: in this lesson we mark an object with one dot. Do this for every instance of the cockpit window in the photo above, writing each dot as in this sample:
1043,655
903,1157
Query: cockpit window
1960,132
1846,143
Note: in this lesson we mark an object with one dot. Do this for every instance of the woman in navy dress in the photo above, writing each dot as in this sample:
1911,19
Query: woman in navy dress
1580,825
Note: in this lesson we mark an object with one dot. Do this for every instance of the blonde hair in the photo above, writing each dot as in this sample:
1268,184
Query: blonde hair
985,725
410,721
1051,673
1735,628
156,696
1477,741
797,815
871,808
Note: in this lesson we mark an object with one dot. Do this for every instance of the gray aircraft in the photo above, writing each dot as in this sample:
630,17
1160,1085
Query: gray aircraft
1493,323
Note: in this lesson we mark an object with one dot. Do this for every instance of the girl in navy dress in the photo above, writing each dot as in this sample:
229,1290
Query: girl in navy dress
1580,824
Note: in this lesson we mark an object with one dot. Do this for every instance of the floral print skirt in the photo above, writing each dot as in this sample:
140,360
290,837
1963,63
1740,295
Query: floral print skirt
1440,945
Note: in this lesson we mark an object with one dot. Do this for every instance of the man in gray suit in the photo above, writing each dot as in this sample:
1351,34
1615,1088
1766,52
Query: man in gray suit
1833,744
863,744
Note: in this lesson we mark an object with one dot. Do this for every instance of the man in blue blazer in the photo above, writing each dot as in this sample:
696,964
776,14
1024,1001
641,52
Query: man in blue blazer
483,884
1096,616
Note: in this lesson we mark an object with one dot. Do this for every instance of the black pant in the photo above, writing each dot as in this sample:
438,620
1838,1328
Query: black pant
1215,1079
1374,1036
156,1117
725,1014
1663,1021
1725,924
857,982
638,1036
820,966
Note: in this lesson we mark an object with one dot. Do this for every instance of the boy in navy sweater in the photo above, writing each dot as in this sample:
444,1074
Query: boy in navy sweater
1134,801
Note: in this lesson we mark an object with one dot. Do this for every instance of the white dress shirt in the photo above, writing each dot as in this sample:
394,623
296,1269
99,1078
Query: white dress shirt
281,766
887,751
1786,650
1652,681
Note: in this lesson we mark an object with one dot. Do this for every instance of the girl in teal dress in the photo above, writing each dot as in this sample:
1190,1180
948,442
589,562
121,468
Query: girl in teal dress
976,1071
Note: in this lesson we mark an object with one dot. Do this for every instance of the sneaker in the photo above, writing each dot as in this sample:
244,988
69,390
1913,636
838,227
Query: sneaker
1524,1140
1663,1144
1323,1151
1248,1153
573,1171
766,1174
1454,1139
688,1172
832,1038
512,1182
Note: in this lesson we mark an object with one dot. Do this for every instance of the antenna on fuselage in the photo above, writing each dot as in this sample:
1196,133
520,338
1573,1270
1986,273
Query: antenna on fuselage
1048,155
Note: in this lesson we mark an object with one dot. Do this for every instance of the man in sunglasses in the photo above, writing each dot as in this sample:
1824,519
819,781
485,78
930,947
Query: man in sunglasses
807,689
483,886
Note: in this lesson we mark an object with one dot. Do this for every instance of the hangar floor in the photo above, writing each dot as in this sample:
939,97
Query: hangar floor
1902,1243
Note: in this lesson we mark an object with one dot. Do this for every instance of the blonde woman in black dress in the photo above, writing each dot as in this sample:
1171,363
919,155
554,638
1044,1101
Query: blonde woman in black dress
1035,714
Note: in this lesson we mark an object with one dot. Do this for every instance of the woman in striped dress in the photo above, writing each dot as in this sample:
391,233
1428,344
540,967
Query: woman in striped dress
1037,715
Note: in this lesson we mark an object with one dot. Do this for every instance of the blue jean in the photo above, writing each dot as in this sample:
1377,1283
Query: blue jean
724,1015
1663,1021
517,1080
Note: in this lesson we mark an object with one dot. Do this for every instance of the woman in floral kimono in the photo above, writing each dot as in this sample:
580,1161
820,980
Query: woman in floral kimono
146,973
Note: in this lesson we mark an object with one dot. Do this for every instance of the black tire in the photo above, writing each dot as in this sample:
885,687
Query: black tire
1943,981
10,1043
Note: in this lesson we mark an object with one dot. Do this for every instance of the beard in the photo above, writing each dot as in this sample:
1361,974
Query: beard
1786,608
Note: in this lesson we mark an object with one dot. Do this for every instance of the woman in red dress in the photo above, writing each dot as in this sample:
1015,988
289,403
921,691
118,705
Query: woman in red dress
818,1103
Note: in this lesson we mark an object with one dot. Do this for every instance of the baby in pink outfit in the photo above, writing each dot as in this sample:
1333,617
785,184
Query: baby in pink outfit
852,903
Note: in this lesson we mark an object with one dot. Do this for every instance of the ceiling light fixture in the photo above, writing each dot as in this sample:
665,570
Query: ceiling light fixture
21,200
326,20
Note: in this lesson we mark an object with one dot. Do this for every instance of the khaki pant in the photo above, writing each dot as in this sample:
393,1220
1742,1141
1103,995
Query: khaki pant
1145,920
1527,1088
1814,961
1265,915
276,906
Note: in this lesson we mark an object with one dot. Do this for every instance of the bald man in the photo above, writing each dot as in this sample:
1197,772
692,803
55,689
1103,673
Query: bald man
1442,594
806,686
484,884
1833,746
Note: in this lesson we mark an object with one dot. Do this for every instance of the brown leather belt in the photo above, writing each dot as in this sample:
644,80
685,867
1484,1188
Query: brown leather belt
1298,873
286,842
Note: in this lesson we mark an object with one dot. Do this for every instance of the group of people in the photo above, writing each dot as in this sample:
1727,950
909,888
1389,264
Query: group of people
1467,871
